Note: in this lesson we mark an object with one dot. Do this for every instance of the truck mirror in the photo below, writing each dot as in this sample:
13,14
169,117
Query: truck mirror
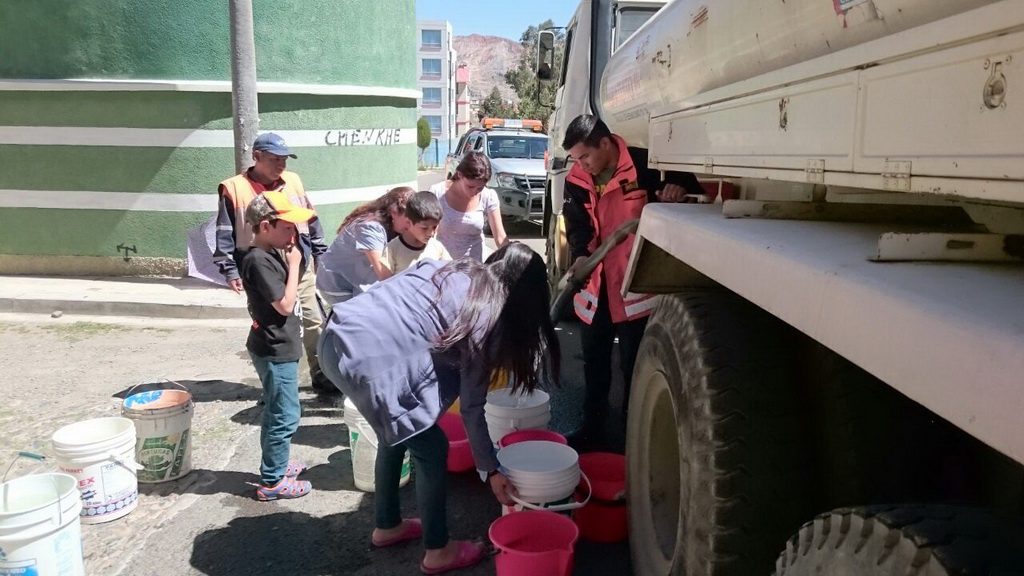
545,55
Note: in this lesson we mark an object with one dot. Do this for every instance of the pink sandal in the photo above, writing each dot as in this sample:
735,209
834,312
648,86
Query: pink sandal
287,488
295,467
467,554
412,529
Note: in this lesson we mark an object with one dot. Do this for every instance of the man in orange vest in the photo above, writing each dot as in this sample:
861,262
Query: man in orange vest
608,185
234,237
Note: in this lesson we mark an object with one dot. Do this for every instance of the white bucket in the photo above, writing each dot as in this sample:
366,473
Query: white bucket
40,531
163,421
100,454
505,412
362,443
545,475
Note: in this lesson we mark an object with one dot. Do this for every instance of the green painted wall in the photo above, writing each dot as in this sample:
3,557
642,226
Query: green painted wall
321,42
365,42
98,232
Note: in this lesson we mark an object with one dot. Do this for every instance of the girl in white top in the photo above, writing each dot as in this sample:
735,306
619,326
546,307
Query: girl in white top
466,203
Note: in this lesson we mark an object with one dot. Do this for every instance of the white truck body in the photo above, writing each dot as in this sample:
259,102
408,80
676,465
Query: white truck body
834,118
899,109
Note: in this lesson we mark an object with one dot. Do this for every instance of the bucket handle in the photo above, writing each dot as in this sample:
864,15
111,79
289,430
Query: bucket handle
168,380
557,507
363,434
129,464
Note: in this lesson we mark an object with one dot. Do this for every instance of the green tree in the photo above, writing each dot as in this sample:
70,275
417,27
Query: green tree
423,136
495,106
523,78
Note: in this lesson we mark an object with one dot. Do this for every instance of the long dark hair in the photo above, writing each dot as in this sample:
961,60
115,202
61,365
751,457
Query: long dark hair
508,304
473,166
380,209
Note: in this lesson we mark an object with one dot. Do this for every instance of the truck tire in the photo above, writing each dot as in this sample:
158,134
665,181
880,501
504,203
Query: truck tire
716,469
923,540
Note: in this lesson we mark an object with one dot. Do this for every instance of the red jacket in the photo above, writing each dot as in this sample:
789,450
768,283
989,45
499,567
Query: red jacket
590,219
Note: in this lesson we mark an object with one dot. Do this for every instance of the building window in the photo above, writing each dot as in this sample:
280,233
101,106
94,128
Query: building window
431,97
435,123
432,68
430,39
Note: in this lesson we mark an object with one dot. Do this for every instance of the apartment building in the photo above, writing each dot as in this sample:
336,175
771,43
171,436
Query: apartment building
436,79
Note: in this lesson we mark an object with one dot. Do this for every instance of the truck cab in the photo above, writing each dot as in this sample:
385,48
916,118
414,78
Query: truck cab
516,150
583,60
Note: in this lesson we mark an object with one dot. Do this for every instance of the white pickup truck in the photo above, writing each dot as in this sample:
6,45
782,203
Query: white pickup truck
833,382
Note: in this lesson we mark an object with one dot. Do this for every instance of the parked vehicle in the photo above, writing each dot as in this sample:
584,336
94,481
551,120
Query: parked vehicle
516,150
833,381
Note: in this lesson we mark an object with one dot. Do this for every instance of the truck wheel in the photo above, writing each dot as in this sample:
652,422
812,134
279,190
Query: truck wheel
556,250
716,469
931,540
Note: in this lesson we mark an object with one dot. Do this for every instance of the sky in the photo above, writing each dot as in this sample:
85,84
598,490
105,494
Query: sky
495,17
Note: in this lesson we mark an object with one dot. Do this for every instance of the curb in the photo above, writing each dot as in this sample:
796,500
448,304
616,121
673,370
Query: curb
115,308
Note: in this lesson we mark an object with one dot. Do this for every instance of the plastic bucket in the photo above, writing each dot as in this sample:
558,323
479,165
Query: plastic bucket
460,455
499,380
545,474
100,454
163,422
605,522
362,443
607,473
533,542
40,530
604,518
505,412
529,435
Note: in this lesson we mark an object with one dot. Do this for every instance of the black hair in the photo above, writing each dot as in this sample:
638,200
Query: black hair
585,128
423,206
508,305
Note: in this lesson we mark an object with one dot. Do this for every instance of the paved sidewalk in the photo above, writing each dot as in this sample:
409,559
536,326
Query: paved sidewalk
122,296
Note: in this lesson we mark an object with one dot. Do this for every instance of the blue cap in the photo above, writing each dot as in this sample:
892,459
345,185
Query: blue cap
272,143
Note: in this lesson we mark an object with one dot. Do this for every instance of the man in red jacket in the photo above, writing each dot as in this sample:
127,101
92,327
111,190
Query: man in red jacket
608,185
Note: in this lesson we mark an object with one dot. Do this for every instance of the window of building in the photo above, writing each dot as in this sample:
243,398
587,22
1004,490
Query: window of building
430,39
435,123
432,97
432,67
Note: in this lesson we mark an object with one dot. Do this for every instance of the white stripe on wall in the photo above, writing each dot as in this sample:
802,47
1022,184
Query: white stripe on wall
188,138
107,85
165,202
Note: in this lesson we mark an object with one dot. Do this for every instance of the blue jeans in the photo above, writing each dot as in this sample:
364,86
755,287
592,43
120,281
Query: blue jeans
280,415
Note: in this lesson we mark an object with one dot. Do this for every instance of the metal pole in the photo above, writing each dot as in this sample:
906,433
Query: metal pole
244,102
437,148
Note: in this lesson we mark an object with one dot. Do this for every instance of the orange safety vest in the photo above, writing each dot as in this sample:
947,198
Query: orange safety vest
239,192
621,201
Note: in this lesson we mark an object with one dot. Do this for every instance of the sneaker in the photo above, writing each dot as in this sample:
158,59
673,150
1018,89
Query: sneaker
287,488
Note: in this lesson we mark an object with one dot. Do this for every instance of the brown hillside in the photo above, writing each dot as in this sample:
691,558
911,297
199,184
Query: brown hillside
488,58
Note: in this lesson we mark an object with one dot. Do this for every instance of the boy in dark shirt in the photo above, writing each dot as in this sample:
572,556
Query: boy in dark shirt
275,339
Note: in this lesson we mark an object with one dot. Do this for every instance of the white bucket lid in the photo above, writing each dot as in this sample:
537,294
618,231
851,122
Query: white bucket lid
538,457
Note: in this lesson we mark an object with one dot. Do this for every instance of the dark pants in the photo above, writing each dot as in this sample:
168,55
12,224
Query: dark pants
429,451
598,339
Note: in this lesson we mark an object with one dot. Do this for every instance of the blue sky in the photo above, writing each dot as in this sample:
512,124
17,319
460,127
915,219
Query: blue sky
495,17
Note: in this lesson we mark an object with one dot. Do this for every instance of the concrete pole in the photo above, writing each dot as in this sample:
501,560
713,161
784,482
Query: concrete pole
244,100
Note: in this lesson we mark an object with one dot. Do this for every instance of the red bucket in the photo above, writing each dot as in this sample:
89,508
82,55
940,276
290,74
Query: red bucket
460,456
607,473
533,542
603,519
529,435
